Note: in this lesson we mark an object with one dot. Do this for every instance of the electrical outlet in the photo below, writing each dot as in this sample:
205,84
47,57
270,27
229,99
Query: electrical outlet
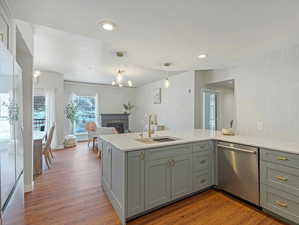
260,125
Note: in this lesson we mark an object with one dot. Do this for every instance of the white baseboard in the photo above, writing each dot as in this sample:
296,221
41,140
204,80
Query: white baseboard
29,187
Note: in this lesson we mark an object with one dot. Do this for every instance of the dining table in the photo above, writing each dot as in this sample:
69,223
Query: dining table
38,138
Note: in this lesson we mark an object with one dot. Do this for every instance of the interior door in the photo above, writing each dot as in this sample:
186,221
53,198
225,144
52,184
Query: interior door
7,145
18,97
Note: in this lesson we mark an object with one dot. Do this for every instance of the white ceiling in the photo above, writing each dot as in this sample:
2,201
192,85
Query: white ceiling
154,32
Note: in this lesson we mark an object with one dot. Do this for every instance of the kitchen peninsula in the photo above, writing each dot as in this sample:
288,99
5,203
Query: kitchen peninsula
139,177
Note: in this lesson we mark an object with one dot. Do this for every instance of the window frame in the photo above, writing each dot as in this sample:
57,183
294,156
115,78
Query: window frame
95,112
45,111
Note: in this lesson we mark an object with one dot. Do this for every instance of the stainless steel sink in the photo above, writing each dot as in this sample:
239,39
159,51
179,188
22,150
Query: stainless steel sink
164,139
157,139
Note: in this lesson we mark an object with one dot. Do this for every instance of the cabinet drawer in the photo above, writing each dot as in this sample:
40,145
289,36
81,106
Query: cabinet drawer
202,146
201,160
286,159
168,152
281,203
201,180
281,177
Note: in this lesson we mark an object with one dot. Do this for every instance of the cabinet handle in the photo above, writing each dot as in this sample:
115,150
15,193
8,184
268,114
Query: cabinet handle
173,163
282,158
141,156
169,163
281,204
202,161
203,180
281,178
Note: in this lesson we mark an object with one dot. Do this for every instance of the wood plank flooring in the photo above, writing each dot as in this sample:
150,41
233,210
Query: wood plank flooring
71,194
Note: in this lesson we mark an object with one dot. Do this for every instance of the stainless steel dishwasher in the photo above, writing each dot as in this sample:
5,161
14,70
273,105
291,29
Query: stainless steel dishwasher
238,170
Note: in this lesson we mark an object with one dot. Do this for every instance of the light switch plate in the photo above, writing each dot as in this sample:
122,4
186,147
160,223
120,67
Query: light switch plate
260,125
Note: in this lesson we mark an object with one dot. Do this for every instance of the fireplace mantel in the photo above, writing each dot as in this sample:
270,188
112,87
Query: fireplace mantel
118,120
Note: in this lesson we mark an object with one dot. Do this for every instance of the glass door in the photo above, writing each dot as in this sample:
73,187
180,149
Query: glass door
7,113
18,98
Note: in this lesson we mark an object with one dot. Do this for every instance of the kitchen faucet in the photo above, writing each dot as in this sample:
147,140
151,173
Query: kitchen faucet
149,126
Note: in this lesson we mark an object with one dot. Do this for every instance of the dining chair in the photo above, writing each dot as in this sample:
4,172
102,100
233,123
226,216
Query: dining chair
103,131
47,150
91,129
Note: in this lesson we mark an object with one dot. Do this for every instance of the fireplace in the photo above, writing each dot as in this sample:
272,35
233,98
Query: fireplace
119,121
118,126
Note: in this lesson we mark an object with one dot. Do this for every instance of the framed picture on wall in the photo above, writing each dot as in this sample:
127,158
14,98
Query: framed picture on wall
157,96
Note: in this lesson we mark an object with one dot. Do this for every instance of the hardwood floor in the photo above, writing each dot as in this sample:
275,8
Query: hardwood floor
70,194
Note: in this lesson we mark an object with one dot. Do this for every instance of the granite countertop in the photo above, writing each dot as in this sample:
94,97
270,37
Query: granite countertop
128,142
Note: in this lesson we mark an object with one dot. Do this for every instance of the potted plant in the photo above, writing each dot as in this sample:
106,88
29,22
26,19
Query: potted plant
128,107
71,110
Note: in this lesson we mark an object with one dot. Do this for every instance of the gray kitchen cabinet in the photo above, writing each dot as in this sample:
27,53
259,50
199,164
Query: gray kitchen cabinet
181,176
279,180
142,180
135,183
167,179
201,180
281,203
157,182
106,160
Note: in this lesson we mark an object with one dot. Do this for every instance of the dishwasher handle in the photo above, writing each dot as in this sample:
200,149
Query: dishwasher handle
236,149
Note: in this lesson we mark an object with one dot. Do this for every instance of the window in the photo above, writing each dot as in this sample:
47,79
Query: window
39,113
86,112
210,110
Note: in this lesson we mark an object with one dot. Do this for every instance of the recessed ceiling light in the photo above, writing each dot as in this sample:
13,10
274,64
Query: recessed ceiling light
106,25
203,56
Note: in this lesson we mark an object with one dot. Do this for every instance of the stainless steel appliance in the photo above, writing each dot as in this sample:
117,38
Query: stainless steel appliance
238,170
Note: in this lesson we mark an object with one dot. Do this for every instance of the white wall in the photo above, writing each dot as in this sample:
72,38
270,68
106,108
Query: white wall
52,80
26,30
199,84
227,107
266,91
25,60
110,99
176,110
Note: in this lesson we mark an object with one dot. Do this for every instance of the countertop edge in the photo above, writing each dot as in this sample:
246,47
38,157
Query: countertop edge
161,145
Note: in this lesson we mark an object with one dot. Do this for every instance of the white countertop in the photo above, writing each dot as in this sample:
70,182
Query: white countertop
128,142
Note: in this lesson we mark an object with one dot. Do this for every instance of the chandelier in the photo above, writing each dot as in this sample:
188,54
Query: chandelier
120,78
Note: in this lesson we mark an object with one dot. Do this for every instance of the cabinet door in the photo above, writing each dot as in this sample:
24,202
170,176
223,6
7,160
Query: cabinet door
135,183
7,145
181,176
106,169
157,183
18,98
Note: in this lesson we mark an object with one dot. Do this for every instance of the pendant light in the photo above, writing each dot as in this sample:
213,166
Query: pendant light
166,82
119,77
